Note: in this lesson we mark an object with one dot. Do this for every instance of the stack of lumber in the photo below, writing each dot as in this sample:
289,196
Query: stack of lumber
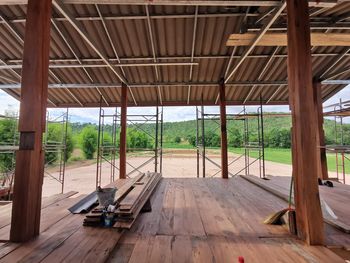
129,200
134,201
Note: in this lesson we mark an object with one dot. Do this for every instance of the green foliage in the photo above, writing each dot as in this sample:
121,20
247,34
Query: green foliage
235,138
177,139
278,138
7,132
212,139
55,136
89,141
137,139
191,140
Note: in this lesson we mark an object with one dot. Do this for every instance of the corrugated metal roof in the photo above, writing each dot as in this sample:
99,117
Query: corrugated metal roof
128,41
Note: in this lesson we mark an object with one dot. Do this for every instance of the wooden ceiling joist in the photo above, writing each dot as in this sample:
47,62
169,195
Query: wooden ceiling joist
280,39
312,3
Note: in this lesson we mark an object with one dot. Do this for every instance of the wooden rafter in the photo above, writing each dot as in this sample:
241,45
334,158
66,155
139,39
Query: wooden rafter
280,39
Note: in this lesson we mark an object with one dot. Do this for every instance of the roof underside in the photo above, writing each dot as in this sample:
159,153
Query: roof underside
168,55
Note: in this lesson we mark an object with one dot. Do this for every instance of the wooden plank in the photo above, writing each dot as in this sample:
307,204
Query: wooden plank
129,222
123,124
5,212
161,250
148,223
224,160
320,134
143,249
53,226
334,197
201,252
29,171
135,194
280,39
305,155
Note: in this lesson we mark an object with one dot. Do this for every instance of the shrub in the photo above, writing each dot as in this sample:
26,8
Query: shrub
55,133
235,138
137,139
177,139
89,141
8,128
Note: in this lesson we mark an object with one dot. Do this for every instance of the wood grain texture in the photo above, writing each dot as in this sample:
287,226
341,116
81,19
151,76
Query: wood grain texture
320,134
306,160
29,170
123,124
230,214
280,39
212,220
223,134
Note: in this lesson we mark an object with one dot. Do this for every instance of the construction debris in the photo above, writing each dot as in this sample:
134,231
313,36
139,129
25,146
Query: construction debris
128,203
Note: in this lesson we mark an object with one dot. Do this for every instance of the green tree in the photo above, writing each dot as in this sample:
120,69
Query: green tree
191,140
177,139
89,141
55,136
285,138
137,139
235,138
8,129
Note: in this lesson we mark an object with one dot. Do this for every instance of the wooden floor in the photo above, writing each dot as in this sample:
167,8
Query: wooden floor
337,198
193,220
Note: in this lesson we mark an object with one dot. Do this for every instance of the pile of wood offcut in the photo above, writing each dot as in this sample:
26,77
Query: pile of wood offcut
130,199
134,201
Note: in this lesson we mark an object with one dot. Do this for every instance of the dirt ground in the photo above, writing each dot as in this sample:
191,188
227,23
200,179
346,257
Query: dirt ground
176,163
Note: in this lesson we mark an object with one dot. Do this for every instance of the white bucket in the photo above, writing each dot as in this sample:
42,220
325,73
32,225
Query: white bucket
106,196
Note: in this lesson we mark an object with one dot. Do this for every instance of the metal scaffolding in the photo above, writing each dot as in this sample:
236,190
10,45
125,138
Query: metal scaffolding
108,151
8,153
248,145
340,150
56,149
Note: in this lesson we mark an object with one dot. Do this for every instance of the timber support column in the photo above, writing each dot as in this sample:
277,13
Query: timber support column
224,162
305,124
323,174
123,124
29,173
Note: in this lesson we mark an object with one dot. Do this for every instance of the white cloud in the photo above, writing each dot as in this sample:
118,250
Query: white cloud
170,113
8,103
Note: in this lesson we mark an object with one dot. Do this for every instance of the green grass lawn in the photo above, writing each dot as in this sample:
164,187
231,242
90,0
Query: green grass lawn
285,156
271,154
173,145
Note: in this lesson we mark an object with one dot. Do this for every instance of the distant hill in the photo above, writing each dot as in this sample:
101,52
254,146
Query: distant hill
185,129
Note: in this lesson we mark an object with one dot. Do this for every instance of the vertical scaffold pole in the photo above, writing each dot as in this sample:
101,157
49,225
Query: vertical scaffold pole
203,137
197,140
98,146
156,141
161,143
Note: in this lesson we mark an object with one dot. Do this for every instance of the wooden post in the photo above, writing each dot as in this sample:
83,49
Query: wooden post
305,155
224,162
29,173
122,143
323,174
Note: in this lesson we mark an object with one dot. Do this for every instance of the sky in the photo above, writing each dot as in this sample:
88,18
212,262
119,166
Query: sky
171,114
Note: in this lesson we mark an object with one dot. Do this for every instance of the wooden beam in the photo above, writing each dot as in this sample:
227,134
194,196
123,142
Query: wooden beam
304,120
257,38
123,124
29,171
225,3
280,39
224,161
317,92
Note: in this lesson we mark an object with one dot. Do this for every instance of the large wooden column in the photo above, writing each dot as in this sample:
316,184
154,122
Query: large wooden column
123,124
323,174
224,162
305,124
29,171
